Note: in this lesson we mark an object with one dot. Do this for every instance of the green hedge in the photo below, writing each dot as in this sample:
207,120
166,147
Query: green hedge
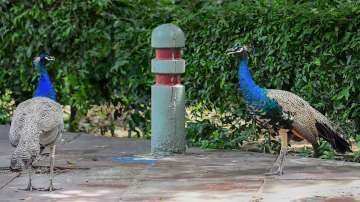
310,49
103,53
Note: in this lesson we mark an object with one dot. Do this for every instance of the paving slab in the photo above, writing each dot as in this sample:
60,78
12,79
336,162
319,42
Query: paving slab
91,168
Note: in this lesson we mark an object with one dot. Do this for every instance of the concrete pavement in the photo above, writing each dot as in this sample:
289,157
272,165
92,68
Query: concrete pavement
91,168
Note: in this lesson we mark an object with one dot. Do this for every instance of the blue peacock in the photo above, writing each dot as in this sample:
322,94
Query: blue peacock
36,124
286,113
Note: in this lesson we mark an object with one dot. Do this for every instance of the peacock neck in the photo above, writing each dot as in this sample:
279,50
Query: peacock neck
44,87
254,95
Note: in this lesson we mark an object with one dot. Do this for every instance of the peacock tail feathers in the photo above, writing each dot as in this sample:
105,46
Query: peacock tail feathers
329,132
332,137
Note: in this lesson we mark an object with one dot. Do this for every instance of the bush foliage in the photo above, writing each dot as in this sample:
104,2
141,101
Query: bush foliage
103,55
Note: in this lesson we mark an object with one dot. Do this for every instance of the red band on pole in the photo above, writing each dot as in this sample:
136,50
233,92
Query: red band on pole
168,79
168,53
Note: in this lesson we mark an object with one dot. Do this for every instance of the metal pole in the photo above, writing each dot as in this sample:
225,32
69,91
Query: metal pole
167,94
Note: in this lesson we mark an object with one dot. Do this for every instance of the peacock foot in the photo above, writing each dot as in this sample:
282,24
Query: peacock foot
30,188
277,168
272,173
50,189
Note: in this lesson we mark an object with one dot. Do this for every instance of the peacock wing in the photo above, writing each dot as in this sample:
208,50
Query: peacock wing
303,118
17,122
50,121
287,100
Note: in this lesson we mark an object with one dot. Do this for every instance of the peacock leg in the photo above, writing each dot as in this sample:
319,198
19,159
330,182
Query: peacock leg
316,152
277,168
28,167
52,159
29,187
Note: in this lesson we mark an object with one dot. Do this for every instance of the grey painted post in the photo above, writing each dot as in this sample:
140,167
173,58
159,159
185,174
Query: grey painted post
167,94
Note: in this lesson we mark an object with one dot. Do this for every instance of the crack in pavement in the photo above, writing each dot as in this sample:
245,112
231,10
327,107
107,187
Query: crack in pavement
10,180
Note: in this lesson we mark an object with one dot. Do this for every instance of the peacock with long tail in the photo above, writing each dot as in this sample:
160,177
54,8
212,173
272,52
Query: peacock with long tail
287,114
36,124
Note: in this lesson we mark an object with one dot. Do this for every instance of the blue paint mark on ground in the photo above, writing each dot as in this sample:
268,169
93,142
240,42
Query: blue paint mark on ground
134,159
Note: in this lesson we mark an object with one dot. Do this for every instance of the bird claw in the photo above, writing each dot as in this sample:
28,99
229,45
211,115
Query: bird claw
272,173
30,188
275,170
50,189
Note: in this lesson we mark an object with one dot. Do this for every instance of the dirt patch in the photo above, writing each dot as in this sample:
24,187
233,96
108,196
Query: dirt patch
75,152
44,169
57,169
102,185
330,199
238,186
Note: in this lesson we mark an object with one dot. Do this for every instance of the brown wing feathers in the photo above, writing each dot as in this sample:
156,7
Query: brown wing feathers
317,124
336,141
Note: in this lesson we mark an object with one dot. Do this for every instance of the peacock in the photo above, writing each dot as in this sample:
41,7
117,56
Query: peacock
36,124
287,114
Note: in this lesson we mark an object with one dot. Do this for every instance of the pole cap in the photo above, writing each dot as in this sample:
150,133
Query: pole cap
167,36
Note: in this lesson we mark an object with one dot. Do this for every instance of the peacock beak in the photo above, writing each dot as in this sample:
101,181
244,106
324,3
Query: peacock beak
50,58
232,51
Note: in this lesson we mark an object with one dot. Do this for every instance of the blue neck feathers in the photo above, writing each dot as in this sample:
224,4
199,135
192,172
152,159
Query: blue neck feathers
255,97
44,87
